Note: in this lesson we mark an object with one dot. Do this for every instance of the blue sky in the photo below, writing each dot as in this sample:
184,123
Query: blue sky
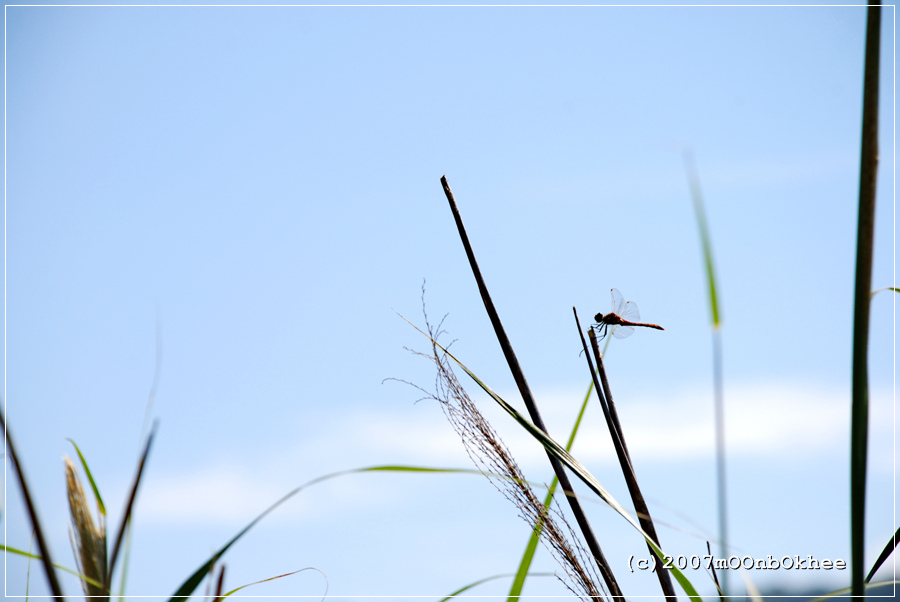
263,184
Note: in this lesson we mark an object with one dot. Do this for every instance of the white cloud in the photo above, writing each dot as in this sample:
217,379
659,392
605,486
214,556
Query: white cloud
762,422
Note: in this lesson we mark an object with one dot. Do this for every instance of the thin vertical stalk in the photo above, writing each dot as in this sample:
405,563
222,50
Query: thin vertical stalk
859,424
718,387
528,398
604,394
721,481
126,518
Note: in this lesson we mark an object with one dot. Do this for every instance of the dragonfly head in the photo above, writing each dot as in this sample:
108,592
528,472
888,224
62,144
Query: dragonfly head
598,318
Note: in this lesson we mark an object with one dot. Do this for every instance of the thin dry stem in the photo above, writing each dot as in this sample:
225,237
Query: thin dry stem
491,456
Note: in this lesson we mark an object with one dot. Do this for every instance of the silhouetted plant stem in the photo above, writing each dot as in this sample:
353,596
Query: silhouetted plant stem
528,398
126,517
615,431
46,559
888,549
859,425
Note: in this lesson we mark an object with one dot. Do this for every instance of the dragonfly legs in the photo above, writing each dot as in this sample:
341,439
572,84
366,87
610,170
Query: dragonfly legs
601,330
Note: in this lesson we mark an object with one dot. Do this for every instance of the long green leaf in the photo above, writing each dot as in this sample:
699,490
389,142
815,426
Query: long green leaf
30,556
90,478
188,587
309,568
705,240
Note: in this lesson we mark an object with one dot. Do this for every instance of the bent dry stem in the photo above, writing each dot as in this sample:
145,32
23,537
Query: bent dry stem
485,448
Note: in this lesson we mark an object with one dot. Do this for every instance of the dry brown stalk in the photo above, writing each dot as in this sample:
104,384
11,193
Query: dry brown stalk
88,537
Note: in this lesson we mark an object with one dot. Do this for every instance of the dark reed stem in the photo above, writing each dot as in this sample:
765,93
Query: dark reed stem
884,555
618,437
715,576
528,398
49,571
128,508
859,424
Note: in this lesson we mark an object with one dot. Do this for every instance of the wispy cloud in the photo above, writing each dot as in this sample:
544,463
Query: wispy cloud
763,422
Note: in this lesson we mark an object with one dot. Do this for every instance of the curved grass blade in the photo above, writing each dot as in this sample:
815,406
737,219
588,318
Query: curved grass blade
705,240
309,568
188,587
87,471
528,556
65,569
886,288
885,553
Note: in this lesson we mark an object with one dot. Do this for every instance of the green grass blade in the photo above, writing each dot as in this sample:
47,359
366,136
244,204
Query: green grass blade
90,477
705,241
528,556
191,583
237,589
886,288
65,569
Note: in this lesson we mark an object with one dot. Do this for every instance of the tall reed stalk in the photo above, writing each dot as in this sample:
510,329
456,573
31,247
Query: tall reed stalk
528,398
865,237
718,384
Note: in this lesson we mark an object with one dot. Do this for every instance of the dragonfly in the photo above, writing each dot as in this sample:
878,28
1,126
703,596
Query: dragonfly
621,319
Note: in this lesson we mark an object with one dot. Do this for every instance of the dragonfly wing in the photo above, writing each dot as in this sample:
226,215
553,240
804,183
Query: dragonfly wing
618,302
631,312
620,331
